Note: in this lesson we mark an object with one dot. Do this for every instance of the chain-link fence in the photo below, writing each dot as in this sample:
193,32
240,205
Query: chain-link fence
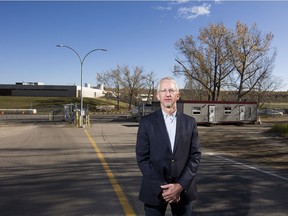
67,113
32,115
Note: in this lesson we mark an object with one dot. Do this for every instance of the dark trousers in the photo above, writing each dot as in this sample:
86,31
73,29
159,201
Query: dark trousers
178,209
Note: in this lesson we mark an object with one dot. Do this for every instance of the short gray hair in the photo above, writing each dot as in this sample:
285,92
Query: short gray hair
168,78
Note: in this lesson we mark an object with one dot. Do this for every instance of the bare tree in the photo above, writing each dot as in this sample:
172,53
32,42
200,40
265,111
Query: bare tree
112,79
207,63
127,84
150,85
133,83
196,90
215,39
252,57
264,88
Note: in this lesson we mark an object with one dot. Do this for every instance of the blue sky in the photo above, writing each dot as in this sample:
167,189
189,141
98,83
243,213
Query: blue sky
135,33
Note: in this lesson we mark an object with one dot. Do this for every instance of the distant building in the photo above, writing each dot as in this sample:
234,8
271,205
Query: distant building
37,89
29,83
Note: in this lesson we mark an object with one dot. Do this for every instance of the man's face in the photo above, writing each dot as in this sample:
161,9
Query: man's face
168,95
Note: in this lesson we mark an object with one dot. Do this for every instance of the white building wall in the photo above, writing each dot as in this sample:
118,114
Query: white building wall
90,92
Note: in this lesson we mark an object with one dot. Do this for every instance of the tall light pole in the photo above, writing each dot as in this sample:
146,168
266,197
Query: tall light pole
81,68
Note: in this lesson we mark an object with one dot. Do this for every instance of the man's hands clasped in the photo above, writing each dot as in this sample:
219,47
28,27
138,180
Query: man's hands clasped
171,192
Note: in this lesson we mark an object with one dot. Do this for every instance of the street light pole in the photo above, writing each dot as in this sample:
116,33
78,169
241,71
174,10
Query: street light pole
81,68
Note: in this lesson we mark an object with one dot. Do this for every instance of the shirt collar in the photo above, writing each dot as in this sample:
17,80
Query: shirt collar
172,115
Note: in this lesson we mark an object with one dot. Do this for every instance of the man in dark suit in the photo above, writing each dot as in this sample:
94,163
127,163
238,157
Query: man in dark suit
168,155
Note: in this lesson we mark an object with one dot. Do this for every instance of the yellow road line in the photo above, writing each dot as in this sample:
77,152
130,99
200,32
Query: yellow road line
117,188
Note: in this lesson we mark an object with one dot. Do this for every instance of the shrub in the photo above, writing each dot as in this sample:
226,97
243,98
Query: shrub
280,128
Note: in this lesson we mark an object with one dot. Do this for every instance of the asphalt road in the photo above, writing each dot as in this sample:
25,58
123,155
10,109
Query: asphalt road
62,170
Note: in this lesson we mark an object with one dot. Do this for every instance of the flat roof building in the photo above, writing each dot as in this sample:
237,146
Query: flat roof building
36,89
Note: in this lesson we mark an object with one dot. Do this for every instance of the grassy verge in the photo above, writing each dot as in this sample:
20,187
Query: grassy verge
280,128
275,106
21,102
7,102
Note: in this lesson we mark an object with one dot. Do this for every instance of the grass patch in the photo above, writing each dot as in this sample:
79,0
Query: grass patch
40,103
280,128
14,102
275,106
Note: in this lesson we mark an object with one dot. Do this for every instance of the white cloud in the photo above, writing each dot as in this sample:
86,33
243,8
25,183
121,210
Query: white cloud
181,1
161,8
193,12
218,1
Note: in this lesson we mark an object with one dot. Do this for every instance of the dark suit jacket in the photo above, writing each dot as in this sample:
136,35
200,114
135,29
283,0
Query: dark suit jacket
159,165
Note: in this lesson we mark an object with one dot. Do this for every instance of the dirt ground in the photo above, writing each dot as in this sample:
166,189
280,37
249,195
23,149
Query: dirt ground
252,143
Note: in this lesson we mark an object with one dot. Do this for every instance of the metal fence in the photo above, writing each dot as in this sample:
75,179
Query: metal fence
42,115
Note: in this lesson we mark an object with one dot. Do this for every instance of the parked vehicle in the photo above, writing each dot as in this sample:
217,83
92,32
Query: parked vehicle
270,112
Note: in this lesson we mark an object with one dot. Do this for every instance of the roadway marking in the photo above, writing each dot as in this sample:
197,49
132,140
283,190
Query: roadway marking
117,188
250,167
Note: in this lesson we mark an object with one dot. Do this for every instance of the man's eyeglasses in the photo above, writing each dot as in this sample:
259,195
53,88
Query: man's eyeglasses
171,91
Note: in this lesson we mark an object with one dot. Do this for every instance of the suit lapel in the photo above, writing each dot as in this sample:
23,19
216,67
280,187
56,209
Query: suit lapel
179,129
162,127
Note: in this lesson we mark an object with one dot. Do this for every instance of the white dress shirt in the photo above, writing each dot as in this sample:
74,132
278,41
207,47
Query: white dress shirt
170,122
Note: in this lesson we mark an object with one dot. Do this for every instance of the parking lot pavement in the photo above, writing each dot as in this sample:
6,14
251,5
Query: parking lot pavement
252,143
228,188
226,184
54,170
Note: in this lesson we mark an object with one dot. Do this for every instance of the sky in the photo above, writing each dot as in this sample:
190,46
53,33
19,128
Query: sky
135,34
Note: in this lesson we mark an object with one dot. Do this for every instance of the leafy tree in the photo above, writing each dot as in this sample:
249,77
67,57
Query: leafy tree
222,59
252,58
208,63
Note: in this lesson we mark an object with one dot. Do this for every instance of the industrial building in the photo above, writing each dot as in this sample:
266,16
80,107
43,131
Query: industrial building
37,89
